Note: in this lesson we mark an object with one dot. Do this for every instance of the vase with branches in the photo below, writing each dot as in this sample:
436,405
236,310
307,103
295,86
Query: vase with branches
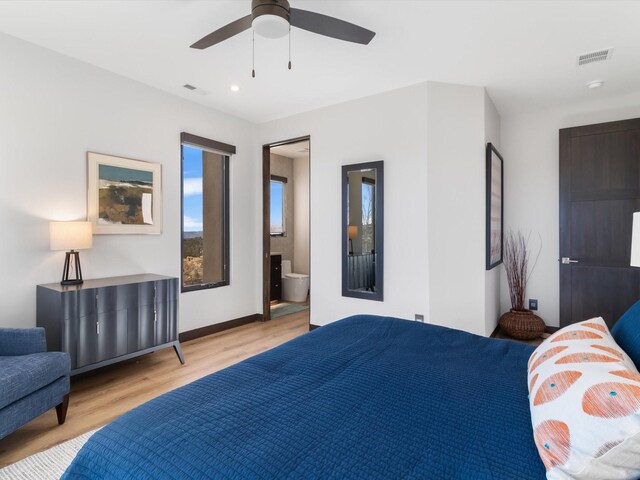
519,322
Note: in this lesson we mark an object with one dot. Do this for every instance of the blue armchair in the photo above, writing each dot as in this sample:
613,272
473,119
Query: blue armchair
32,380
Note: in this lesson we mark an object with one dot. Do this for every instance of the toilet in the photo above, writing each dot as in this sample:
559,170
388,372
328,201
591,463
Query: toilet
295,286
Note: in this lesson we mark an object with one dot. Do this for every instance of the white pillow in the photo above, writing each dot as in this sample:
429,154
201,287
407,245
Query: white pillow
584,395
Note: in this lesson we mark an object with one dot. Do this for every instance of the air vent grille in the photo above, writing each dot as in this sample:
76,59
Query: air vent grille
197,90
597,56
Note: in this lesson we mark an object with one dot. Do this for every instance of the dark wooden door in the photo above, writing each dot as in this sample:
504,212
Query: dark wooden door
599,191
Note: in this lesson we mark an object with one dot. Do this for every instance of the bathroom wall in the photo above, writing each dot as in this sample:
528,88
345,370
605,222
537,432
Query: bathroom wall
283,167
301,214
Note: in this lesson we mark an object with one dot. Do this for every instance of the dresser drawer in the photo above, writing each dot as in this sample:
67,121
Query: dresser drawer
151,292
101,337
107,299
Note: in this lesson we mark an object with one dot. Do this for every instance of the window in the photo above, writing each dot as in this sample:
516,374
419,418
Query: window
205,212
368,215
277,228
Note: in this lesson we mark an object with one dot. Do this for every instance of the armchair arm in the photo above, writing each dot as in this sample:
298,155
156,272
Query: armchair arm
22,341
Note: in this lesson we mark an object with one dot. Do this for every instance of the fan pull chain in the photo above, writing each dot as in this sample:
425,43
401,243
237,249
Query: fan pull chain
253,58
289,47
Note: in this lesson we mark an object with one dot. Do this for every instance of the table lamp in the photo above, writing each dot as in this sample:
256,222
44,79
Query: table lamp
70,236
352,232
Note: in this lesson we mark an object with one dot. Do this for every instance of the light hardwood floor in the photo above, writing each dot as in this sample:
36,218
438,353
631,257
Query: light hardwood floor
101,396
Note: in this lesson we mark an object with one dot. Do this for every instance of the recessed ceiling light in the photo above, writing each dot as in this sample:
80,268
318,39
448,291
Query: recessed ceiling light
235,88
595,84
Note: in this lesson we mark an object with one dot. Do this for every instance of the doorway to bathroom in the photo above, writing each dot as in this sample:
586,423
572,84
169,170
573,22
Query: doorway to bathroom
286,228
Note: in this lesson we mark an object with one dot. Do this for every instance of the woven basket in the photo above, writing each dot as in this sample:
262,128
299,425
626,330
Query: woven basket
522,324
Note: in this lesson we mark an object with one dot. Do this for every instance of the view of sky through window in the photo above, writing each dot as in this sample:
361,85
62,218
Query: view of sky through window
367,204
192,188
277,207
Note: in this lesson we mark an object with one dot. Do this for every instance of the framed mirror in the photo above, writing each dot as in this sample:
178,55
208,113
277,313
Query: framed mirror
362,230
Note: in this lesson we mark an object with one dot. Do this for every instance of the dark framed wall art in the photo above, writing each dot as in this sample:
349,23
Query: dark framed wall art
495,207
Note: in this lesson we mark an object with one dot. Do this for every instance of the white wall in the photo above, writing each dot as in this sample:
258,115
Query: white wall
462,294
432,138
390,127
52,111
492,277
55,108
530,147
301,215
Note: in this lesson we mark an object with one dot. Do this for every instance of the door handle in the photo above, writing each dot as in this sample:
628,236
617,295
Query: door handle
567,260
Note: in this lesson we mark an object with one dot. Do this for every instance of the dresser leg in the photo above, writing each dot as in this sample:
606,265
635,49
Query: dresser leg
178,349
61,409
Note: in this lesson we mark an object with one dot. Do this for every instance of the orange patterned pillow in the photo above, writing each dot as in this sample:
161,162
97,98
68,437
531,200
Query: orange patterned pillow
584,394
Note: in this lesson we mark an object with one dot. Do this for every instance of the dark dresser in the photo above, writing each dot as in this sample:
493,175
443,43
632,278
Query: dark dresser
276,277
108,320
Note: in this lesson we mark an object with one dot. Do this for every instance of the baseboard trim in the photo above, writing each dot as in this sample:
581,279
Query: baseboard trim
218,327
313,327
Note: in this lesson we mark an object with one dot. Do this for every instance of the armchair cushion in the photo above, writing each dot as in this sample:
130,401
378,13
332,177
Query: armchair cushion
27,408
22,341
25,374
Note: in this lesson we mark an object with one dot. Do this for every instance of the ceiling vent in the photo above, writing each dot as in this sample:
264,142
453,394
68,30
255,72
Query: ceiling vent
194,89
597,56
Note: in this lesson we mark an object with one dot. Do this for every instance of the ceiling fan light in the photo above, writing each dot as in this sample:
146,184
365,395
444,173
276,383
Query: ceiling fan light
270,26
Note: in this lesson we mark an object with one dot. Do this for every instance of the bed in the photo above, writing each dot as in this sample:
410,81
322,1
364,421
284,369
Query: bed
365,397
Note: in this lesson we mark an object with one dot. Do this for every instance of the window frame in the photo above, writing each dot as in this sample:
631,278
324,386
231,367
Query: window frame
225,151
283,180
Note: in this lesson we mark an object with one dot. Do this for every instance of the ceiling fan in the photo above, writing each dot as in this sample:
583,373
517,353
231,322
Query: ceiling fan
273,19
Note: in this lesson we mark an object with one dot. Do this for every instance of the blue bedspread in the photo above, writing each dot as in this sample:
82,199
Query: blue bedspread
363,398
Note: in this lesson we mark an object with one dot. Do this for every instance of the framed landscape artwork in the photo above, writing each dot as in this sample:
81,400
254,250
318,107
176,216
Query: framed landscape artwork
495,207
123,195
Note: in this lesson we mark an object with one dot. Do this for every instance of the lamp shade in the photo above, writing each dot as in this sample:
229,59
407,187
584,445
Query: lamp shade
635,241
352,232
70,235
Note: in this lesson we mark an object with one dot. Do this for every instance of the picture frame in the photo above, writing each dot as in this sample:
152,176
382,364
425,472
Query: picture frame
495,207
124,196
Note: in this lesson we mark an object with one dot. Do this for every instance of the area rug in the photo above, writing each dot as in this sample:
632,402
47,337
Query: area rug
284,308
47,465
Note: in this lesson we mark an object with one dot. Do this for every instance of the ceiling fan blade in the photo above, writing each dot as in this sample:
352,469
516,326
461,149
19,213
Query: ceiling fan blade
224,33
330,26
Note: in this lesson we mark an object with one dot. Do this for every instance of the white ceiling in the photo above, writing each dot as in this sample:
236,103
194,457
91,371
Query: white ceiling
293,150
524,52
